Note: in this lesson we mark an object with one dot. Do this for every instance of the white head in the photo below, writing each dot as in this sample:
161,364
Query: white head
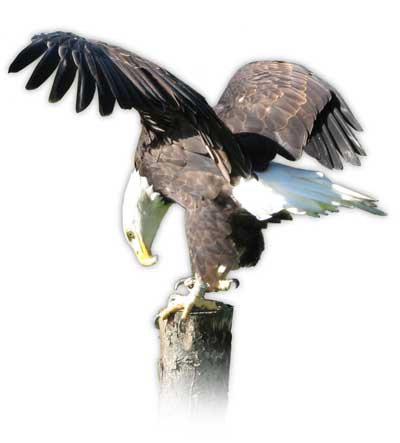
142,212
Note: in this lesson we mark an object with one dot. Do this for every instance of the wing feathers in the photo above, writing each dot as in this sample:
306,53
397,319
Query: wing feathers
165,103
325,158
346,111
86,84
65,76
28,55
342,142
331,147
46,66
292,106
105,93
348,131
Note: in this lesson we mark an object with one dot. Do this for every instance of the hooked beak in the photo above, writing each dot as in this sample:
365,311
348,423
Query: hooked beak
142,253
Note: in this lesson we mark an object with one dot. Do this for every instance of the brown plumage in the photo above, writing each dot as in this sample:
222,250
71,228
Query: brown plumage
182,172
290,105
196,156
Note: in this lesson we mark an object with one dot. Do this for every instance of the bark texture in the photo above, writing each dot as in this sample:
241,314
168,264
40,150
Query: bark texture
194,363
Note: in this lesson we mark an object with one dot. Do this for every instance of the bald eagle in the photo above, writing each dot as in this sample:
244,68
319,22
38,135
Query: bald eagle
217,163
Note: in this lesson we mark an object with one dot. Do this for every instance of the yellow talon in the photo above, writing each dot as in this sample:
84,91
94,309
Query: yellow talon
186,303
165,313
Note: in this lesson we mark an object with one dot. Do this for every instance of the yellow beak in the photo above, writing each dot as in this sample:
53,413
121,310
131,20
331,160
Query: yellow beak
142,253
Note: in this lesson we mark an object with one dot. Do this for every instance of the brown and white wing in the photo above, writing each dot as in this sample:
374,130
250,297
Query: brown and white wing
292,106
163,101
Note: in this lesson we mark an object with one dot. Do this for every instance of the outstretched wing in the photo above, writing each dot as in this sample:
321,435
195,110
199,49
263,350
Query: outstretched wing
163,101
292,106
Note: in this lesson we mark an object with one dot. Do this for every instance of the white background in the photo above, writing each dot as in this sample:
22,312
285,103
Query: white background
316,328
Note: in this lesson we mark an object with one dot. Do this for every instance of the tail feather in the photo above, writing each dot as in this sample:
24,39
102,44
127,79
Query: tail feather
313,193
300,191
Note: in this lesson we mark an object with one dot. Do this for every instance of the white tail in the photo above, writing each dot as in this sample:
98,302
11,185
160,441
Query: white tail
299,191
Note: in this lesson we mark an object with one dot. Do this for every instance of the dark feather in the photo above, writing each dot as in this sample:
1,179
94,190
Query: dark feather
348,131
28,55
64,78
43,70
343,144
279,216
312,149
346,111
91,63
323,151
116,85
86,84
106,97
154,88
337,163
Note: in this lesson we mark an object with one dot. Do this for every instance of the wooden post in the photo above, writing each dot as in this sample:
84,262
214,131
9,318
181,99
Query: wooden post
194,363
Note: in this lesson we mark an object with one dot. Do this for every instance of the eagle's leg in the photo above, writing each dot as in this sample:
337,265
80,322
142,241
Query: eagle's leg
186,303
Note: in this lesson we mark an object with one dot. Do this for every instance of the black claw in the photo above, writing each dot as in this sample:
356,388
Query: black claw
236,281
179,283
157,321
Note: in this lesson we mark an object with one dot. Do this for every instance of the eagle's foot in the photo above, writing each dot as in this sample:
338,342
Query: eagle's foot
225,285
186,303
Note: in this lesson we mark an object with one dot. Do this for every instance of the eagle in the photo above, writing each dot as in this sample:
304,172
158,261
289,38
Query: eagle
218,163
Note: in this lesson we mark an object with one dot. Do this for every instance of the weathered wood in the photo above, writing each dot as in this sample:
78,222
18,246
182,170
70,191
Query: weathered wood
194,363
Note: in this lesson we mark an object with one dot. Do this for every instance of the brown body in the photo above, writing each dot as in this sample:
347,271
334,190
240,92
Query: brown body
182,171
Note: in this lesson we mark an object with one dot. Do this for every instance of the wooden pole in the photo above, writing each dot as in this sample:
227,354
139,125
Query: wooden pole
194,363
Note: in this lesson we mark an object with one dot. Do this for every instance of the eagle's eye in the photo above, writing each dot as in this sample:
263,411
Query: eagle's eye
130,235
